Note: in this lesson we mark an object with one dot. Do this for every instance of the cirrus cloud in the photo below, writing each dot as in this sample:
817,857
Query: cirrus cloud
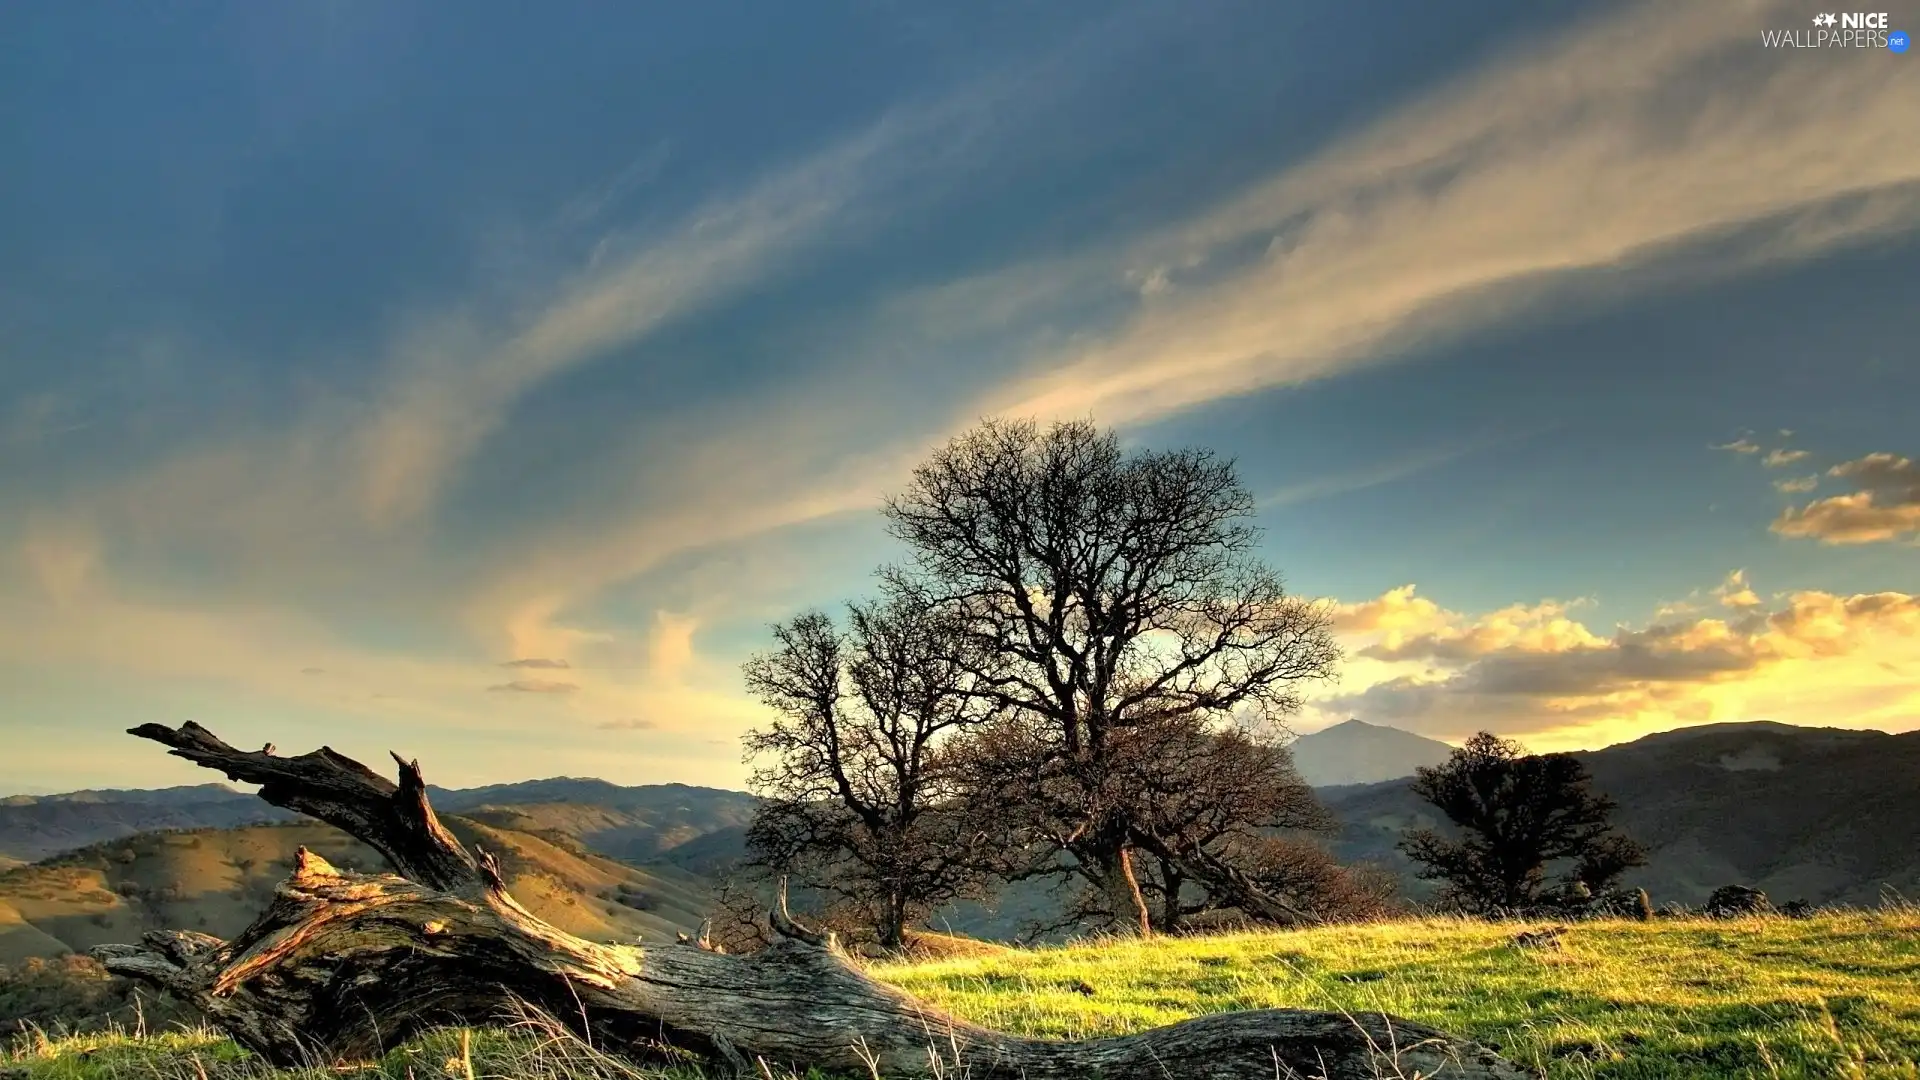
536,686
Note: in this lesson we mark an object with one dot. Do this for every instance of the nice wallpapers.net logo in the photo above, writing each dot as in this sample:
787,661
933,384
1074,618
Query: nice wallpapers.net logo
1841,30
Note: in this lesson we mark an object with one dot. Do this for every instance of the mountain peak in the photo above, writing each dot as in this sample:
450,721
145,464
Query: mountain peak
1356,752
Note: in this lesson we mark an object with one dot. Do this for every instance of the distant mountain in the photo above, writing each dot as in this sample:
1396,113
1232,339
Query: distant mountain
174,796
633,823
33,827
1823,814
1356,752
1831,816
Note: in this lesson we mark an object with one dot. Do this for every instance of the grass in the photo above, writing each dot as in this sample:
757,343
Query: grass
1833,996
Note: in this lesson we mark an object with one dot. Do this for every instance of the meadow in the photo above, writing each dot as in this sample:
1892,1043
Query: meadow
1836,995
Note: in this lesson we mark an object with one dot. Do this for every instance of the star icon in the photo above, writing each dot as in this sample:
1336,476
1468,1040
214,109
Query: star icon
1830,20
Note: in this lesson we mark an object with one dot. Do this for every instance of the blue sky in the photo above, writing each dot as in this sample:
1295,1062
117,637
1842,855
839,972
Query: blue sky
355,355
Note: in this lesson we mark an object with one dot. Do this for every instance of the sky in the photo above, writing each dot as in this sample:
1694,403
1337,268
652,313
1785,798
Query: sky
482,385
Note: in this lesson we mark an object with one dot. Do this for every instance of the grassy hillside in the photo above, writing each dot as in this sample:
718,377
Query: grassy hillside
217,880
1833,996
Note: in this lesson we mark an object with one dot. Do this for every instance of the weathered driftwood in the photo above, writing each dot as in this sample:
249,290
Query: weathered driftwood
343,966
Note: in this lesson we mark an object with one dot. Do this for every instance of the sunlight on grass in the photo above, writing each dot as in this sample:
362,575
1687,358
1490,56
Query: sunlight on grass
1833,996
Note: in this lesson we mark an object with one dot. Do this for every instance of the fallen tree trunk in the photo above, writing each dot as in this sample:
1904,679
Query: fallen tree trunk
344,966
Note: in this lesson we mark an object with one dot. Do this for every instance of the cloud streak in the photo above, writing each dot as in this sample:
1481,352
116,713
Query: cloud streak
1627,143
535,686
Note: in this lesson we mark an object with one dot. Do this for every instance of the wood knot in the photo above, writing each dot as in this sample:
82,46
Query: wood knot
311,869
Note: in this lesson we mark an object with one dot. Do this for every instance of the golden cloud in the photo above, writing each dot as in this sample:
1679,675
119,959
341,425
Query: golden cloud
1885,507
1818,658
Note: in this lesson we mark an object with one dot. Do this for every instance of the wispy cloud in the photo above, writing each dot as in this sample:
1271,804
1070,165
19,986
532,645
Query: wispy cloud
1624,144
536,686
1627,144
1386,472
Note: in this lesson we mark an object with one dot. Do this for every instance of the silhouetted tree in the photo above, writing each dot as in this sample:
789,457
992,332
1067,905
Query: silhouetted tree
1112,603
1516,814
859,795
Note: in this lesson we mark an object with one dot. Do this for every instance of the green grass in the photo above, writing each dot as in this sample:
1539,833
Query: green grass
1833,996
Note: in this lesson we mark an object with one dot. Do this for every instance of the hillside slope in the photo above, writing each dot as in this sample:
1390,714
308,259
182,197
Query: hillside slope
217,880
634,824
1826,815
33,827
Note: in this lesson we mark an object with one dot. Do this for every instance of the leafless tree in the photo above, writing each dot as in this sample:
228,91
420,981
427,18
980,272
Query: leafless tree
860,796
1108,600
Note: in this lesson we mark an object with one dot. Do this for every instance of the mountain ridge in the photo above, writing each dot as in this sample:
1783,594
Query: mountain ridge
1356,752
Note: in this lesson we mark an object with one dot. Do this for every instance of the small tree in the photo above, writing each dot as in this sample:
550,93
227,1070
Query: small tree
859,792
1516,813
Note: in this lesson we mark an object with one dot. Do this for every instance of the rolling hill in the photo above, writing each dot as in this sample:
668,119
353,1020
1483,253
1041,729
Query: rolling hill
1830,816
217,880
1823,814
635,824
33,827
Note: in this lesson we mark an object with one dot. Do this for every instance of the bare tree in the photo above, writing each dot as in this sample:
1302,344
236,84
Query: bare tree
1106,596
1516,814
1212,802
859,792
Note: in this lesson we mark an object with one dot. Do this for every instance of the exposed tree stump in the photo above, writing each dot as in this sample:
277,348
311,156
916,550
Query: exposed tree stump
344,966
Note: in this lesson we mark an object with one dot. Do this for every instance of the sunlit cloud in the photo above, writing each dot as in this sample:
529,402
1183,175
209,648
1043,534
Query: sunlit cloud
1815,658
1734,592
1885,506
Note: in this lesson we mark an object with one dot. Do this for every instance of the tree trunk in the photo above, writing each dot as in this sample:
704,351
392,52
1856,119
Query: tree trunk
344,966
1106,859
893,924
1172,881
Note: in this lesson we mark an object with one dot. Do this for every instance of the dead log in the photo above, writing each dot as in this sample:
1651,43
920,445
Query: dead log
344,966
